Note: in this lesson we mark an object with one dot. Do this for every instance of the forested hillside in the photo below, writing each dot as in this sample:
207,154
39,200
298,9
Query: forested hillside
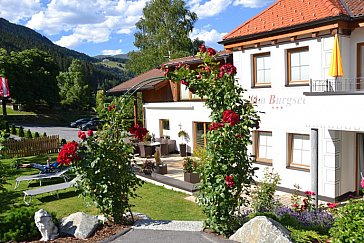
15,37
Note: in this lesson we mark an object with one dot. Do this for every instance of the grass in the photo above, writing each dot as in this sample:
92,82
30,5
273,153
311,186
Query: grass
12,112
155,201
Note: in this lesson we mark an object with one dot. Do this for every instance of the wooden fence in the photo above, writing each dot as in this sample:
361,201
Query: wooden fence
29,147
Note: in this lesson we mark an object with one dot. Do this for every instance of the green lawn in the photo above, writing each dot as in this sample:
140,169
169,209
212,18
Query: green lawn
12,112
154,201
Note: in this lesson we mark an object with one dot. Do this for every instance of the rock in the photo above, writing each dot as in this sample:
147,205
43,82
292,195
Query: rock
44,222
79,225
261,229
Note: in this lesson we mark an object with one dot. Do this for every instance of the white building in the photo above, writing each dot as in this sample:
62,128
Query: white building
312,127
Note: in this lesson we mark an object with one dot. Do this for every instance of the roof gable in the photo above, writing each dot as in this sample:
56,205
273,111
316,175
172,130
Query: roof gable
286,13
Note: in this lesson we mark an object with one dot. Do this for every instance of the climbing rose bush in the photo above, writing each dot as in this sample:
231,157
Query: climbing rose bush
227,172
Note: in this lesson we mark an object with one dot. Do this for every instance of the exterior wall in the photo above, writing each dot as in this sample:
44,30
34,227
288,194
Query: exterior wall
286,109
181,115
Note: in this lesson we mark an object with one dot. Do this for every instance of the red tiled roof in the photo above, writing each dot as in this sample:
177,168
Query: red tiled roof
156,74
286,13
356,7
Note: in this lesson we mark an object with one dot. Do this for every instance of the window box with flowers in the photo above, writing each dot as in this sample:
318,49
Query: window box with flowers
190,171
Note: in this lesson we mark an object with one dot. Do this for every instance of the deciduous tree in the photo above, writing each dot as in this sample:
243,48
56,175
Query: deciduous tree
162,33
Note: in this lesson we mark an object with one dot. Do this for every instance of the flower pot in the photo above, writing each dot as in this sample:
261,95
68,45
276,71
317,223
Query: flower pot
193,177
161,169
183,149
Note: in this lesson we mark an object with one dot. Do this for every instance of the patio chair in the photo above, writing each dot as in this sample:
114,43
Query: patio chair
164,149
171,146
145,151
46,189
40,177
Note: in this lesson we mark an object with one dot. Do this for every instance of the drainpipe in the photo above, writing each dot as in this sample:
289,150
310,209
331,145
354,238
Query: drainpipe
314,163
135,109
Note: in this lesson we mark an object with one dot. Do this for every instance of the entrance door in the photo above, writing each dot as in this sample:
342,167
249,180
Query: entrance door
360,161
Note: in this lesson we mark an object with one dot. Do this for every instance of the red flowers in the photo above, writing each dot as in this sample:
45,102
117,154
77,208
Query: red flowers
211,51
215,126
231,117
228,69
331,205
202,48
81,135
309,193
229,181
184,82
90,133
111,107
138,131
362,182
68,153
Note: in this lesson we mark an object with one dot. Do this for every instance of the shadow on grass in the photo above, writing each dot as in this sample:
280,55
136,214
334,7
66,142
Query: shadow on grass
62,195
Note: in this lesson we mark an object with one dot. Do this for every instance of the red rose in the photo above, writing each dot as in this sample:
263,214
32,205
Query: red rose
228,69
362,183
229,181
79,133
216,125
202,48
331,205
309,193
108,108
211,51
184,82
90,133
83,136
138,131
231,117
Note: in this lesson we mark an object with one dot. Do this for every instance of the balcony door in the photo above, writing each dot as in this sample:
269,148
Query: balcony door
360,66
360,161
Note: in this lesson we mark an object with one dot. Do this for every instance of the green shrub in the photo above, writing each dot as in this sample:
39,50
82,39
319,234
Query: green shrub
28,134
349,224
7,128
13,129
263,199
36,134
18,225
306,236
21,132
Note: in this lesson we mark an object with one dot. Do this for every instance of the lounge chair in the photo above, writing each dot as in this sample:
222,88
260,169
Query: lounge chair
46,189
40,177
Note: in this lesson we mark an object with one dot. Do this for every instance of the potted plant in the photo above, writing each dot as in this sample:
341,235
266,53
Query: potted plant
182,146
160,167
147,167
190,171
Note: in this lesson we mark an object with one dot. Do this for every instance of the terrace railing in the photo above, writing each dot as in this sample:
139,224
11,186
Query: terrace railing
338,85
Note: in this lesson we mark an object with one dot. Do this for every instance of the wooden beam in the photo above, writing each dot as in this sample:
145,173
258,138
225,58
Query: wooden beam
282,36
361,24
293,38
314,34
135,109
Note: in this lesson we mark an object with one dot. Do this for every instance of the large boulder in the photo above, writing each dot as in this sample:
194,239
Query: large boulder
79,225
263,230
44,222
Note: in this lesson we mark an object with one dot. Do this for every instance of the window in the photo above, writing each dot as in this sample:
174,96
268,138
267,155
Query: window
186,94
263,146
299,150
164,130
261,66
199,134
298,66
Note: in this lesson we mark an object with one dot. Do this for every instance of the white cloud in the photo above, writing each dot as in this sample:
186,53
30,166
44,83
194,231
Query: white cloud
19,10
207,34
252,3
208,8
112,52
87,20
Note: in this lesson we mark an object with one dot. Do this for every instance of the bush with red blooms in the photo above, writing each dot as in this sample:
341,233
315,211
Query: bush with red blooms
68,153
227,170
138,132
104,170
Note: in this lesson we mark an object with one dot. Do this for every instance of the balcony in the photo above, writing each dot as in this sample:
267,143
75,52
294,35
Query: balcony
338,86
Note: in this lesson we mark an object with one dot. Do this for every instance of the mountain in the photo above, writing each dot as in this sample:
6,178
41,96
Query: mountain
15,37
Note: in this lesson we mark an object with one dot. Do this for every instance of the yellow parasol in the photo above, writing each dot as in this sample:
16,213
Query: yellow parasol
336,66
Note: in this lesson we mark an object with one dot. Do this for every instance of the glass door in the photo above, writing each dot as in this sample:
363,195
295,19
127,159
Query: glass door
360,67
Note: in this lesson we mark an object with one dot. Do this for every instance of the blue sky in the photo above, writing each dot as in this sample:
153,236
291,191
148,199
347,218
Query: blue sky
99,27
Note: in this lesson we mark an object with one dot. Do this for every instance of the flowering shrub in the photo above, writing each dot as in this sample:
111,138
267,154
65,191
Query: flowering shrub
189,165
104,170
263,198
227,171
67,155
138,132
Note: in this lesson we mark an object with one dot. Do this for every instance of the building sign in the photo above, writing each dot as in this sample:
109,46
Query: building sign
277,101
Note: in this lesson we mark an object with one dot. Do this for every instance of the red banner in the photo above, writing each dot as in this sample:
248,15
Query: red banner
4,87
